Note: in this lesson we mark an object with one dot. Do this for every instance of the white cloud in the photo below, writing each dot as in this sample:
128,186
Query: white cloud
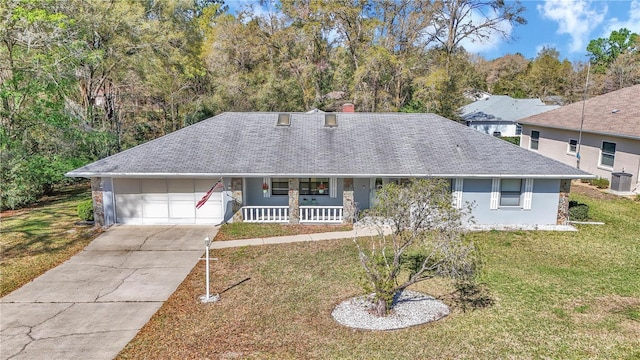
575,18
632,23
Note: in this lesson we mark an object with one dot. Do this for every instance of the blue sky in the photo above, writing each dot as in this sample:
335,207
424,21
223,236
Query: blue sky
566,25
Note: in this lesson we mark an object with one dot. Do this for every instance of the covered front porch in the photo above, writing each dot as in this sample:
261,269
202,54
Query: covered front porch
328,200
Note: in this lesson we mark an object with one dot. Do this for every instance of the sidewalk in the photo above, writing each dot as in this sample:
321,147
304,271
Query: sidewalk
356,232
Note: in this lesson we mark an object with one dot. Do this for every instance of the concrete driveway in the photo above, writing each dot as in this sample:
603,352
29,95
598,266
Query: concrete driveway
92,305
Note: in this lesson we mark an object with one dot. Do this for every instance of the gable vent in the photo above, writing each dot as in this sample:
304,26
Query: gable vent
284,120
330,120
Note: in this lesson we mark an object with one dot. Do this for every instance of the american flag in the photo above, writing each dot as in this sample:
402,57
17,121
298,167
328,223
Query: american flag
208,194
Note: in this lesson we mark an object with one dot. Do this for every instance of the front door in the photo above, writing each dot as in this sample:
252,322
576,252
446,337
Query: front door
361,192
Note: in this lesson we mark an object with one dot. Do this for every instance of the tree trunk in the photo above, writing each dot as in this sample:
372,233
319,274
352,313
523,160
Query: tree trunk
380,308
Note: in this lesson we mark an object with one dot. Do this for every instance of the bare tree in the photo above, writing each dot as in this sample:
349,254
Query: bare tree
456,20
623,71
426,240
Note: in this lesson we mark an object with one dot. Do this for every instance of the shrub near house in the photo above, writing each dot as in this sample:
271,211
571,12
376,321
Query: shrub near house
85,210
578,211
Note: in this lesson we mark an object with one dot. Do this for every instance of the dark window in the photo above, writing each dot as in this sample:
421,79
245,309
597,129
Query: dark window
279,186
535,139
573,145
314,186
518,129
379,183
400,181
510,191
607,154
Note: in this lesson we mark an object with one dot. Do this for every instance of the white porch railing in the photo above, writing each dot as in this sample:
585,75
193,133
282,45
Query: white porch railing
280,214
272,214
321,214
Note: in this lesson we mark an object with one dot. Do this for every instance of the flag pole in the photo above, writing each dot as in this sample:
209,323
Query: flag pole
207,242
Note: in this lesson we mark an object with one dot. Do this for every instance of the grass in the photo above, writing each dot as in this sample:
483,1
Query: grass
34,240
556,295
234,231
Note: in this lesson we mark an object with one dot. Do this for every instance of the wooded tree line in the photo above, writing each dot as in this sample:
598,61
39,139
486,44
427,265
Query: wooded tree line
81,80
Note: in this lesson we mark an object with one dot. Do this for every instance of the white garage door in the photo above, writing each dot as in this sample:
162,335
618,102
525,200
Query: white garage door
166,201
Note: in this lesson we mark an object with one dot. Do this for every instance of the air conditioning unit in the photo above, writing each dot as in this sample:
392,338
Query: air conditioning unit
621,181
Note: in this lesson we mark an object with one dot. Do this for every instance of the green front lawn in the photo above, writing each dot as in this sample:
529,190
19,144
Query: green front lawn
556,295
34,240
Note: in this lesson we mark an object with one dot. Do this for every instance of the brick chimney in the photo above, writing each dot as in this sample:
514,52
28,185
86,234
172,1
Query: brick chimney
348,108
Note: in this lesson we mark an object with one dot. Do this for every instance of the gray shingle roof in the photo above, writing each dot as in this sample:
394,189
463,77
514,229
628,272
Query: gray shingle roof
616,113
363,144
502,107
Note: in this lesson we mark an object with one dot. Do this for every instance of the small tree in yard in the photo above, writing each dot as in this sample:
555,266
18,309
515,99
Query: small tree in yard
426,240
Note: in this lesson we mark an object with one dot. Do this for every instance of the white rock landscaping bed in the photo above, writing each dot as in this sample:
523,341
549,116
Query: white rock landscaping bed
410,308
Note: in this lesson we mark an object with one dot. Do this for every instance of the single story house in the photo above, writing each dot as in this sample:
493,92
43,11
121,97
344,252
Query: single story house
498,115
607,141
313,168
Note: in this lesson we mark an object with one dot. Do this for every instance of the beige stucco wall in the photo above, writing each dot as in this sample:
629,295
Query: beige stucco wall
554,143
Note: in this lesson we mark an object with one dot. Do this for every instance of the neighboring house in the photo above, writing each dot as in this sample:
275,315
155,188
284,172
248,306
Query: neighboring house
610,142
475,94
498,114
316,165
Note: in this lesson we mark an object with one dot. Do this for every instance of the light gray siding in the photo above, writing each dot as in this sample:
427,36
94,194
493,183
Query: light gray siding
544,204
255,197
543,210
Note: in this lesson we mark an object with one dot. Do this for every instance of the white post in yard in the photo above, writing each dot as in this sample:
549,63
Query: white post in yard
207,242
207,297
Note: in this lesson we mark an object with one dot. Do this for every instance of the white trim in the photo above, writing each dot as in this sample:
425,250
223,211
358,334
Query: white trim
601,133
248,175
244,191
265,214
495,193
531,140
266,180
569,152
528,194
333,187
372,191
457,192
321,214
108,201
600,164
520,195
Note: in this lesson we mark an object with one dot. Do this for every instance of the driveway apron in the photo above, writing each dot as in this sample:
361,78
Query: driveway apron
92,305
